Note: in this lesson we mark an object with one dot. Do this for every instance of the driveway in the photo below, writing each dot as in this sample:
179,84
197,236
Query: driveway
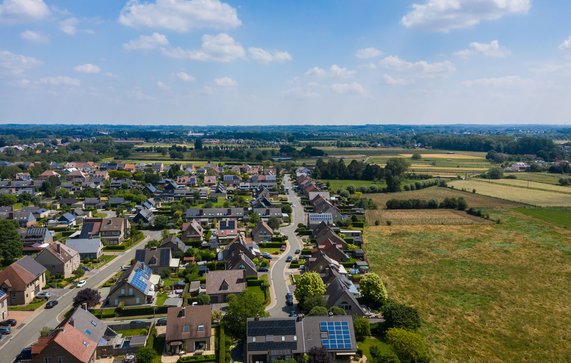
279,271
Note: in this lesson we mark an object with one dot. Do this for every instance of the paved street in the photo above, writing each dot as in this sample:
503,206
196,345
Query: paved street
280,282
10,346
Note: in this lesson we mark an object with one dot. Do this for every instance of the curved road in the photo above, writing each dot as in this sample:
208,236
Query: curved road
280,282
11,345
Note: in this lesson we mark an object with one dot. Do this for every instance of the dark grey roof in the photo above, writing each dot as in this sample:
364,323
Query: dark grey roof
85,245
271,326
31,265
162,255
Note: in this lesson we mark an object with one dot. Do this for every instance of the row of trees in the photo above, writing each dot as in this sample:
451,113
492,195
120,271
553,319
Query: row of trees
447,203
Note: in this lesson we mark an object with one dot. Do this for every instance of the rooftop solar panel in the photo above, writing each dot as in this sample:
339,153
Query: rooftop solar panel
337,333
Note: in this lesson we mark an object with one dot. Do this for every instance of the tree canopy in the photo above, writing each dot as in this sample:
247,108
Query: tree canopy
373,290
309,285
240,308
10,242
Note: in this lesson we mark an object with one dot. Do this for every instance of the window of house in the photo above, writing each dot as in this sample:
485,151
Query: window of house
200,327
186,328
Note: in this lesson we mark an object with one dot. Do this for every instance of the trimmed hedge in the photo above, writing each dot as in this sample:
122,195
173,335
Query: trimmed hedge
198,358
143,310
114,248
271,244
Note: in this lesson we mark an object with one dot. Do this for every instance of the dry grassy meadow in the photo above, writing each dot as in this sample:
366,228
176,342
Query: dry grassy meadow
422,216
486,292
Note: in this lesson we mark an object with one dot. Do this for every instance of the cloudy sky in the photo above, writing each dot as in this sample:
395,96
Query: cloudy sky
285,62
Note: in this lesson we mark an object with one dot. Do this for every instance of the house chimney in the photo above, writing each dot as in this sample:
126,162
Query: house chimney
58,248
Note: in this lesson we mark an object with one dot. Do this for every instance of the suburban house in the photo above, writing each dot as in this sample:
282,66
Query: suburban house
64,344
204,214
227,228
242,262
262,232
221,284
342,293
192,231
321,205
333,250
271,339
267,213
3,305
189,329
236,247
22,280
315,219
23,218
158,259
135,286
144,217
88,248
96,330
112,231
35,239
59,259
175,244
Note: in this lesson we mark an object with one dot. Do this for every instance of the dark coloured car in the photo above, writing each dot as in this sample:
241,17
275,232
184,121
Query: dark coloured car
162,322
297,251
4,330
289,298
9,322
25,354
263,269
289,259
51,304
85,268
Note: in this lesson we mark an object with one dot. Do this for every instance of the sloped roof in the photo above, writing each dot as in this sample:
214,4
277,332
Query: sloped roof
161,256
60,251
225,282
85,245
190,322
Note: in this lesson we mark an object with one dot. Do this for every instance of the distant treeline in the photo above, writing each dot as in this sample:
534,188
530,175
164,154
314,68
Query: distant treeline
447,203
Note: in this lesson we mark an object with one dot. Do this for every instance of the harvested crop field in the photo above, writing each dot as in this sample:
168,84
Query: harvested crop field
547,178
422,216
541,198
446,156
439,193
486,293
530,185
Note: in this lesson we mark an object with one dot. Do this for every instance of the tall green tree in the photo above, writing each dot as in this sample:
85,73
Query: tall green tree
240,308
10,242
309,285
373,290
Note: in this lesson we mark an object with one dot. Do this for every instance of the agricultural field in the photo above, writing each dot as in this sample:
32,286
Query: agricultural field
547,178
343,184
487,292
557,216
439,193
541,198
422,216
530,185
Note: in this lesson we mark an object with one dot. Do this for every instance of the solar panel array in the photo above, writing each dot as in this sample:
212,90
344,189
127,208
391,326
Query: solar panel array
140,278
338,334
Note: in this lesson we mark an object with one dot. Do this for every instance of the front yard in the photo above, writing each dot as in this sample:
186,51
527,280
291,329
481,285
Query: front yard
36,303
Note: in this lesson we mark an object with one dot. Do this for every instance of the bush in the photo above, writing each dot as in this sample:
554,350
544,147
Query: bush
362,328
318,311
408,346
400,316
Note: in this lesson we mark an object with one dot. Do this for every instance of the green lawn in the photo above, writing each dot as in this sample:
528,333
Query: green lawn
547,178
100,262
161,298
369,342
343,184
271,250
485,293
558,216
36,303
132,332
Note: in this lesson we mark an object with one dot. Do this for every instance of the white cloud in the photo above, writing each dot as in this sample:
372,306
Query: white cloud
34,37
333,71
492,49
267,56
60,81
394,81
15,11
346,88
446,15
179,15
69,26
15,64
162,85
566,44
497,82
225,82
87,68
147,42
367,53
421,67
185,77
220,48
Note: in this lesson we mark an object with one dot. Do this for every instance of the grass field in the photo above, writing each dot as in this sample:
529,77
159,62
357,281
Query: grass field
486,293
547,178
531,185
439,193
557,216
535,197
343,184
422,216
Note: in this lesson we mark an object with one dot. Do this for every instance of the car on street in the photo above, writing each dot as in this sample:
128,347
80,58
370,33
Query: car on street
25,354
283,248
125,267
289,259
81,283
263,269
85,268
43,295
51,304
297,251
5,330
266,255
161,322
289,298
9,322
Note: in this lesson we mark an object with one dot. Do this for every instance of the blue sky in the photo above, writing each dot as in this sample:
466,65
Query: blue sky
285,62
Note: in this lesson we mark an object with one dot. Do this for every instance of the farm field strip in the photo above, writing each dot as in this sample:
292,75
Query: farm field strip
527,184
546,178
422,216
540,198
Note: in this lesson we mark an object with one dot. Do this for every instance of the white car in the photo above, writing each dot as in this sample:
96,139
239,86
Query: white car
43,295
81,283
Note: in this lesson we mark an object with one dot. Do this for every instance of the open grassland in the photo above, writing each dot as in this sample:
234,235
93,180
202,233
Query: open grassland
343,184
439,193
547,178
557,216
535,197
421,216
486,293
530,185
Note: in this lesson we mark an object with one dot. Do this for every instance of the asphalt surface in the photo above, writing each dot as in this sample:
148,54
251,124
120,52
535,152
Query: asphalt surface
279,277
11,345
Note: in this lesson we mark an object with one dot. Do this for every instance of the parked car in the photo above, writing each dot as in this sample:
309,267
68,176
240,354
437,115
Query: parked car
51,304
43,295
283,248
266,255
297,251
9,322
81,283
130,358
125,267
25,354
5,330
289,259
263,269
161,322
85,268
289,298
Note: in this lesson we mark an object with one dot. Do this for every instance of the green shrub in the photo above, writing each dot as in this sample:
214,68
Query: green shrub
408,346
400,316
362,328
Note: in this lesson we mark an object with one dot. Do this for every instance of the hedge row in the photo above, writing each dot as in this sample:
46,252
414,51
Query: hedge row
198,358
271,244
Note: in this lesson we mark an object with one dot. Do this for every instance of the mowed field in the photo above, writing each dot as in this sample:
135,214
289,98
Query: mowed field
547,178
537,197
487,292
530,185
439,193
422,216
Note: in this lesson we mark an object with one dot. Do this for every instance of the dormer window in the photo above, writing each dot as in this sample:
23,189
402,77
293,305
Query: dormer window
153,261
